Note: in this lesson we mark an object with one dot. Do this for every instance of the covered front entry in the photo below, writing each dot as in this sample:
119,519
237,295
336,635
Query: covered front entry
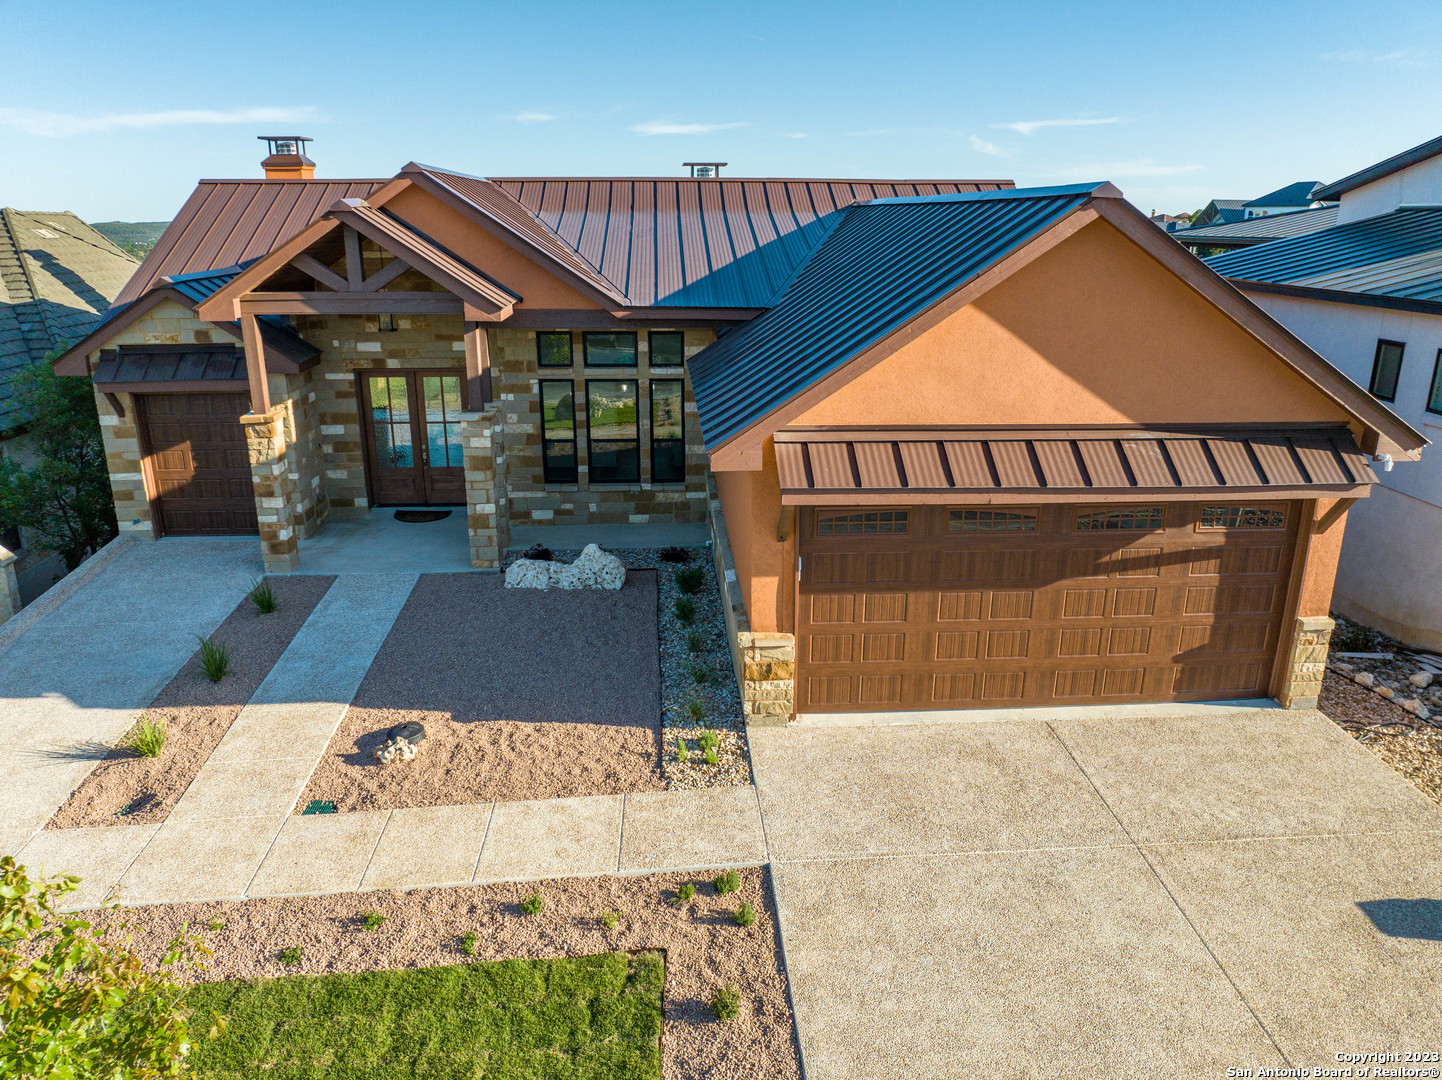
412,437
197,465
945,607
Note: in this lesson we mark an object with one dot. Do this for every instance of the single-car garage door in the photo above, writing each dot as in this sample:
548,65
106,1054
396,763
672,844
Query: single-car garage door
965,607
196,463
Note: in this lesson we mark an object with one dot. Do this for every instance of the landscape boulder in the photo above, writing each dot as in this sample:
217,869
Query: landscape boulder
1421,680
594,569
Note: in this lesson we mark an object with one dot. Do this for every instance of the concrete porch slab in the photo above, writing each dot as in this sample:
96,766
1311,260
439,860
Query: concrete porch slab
98,856
374,542
322,853
427,846
542,838
694,830
198,860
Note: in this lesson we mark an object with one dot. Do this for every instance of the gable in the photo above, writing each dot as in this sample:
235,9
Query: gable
1094,331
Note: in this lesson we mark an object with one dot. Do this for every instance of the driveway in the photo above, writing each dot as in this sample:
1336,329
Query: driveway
1107,897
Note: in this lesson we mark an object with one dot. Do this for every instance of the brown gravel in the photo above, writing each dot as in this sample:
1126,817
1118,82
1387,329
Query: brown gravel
1411,746
524,694
196,712
424,928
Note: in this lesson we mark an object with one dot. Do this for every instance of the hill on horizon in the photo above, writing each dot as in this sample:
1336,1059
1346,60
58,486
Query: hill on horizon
136,238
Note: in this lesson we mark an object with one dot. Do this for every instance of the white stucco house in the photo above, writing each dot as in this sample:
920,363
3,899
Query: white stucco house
1367,294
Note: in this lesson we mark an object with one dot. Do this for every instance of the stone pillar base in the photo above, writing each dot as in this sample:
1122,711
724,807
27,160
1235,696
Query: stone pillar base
1302,680
768,677
274,489
487,521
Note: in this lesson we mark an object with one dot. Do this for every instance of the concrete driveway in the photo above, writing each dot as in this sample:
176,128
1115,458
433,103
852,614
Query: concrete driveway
1103,897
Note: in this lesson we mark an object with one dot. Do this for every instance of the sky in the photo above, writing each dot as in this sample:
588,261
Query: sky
114,110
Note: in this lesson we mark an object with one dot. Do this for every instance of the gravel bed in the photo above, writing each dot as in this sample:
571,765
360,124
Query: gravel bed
196,713
704,948
718,697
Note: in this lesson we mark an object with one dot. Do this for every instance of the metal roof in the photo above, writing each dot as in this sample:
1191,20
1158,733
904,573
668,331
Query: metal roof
883,264
1301,193
1397,254
1396,163
1259,230
1050,465
171,364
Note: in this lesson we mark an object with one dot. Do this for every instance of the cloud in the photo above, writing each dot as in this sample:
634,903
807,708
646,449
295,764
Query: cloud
532,117
660,127
1397,58
981,146
795,134
1028,127
57,125
1109,170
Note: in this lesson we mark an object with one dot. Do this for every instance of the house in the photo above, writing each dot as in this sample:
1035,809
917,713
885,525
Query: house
1366,293
1214,239
1219,212
969,445
1301,195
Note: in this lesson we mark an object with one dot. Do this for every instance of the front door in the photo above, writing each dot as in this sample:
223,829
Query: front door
412,438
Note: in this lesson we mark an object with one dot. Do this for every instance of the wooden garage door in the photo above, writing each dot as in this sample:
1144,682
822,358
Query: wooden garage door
196,463
973,607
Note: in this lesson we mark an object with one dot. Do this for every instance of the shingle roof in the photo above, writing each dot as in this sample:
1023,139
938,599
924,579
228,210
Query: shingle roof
1397,254
883,263
57,275
1297,194
1259,230
1396,163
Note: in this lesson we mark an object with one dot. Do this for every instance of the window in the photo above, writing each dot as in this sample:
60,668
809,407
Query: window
668,431
611,423
1386,367
390,400
553,348
992,521
668,348
1434,393
558,437
875,521
1243,517
1128,517
610,350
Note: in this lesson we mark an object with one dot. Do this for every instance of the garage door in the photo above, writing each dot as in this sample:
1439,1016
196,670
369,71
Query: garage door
197,464
963,607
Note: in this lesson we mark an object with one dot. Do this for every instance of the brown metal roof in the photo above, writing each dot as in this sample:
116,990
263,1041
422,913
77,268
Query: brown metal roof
993,465
155,368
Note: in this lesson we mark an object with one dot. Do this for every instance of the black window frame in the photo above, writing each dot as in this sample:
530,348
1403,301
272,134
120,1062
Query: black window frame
1376,367
1434,391
587,335
651,346
592,443
570,349
679,441
559,474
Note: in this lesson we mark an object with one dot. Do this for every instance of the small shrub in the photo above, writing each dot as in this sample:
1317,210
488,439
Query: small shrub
689,579
725,883
711,756
216,926
745,915
533,904
263,597
1354,637
694,710
726,1003
609,919
701,672
675,555
682,754
468,943
214,658
708,739
290,957
372,920
695,640
685,609
539,552
684,895
147,739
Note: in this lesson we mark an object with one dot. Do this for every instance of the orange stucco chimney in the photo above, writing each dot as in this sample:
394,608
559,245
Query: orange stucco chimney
287,160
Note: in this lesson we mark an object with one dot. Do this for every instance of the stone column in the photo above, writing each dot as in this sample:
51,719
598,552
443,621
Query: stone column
274,489
9,585
487,516
1307,662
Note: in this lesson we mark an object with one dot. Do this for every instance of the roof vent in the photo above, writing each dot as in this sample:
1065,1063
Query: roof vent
705,170
287,160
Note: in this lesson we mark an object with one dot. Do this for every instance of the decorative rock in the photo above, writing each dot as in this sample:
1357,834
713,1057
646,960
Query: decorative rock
528,574
1421,680
1385,691
1343,667
1363,678
594,569
403,742
1423,713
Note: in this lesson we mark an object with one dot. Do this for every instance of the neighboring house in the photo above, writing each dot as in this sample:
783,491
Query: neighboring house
970,446
1219,212
57,276
1215,239
1301,195
1170,223
1367,295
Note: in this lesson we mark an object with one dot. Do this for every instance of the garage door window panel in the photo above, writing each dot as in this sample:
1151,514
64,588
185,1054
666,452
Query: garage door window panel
1120,519
873,523
1243,516
978,521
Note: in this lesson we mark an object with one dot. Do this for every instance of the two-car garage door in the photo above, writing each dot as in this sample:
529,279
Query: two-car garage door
965,607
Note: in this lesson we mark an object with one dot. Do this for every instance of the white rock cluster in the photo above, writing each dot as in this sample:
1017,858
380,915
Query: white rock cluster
1412,705
399,748
1421,680
594,569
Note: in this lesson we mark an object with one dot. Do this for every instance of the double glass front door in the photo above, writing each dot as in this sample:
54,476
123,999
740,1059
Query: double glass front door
412,438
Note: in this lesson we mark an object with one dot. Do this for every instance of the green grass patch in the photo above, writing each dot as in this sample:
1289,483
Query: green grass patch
581,1018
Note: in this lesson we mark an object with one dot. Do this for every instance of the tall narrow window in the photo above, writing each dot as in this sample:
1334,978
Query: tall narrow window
614,444
553,348
1386,367
558,419
1434,393
668,431
610,349
668,348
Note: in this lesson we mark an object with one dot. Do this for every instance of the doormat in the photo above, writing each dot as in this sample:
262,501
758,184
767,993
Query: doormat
416,517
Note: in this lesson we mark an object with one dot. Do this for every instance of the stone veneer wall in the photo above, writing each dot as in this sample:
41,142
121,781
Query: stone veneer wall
121,440
1307,662
487,518
275,489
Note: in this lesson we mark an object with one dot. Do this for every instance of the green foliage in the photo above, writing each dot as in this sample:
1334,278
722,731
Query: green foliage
263,597
675,554
65,494
583,1018
214,658
708,739
745,915
533,904
1354,637
135,238
684,895
468,943
726,1003
685,609
682,754
701,672
711,757
290,956
694,710
216,926
609,919
147,739
695,640
76,1005
727,882
689,579
372,920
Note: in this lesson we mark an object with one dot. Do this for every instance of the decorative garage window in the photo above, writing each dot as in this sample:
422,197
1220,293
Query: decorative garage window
553,348
991,521
611,422
1120,518
1243,517
874,522
558,414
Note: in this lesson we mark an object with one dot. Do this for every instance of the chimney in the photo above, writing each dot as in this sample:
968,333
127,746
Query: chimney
704,170
287,160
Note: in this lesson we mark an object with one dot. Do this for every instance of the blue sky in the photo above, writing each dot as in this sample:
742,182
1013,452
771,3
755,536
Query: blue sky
118,112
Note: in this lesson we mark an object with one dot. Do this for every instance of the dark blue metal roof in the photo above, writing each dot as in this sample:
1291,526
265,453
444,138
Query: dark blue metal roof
1298,194
204,283
885,263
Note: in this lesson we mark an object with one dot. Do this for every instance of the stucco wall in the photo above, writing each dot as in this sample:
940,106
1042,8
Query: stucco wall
1421,183
1390,574
765,564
